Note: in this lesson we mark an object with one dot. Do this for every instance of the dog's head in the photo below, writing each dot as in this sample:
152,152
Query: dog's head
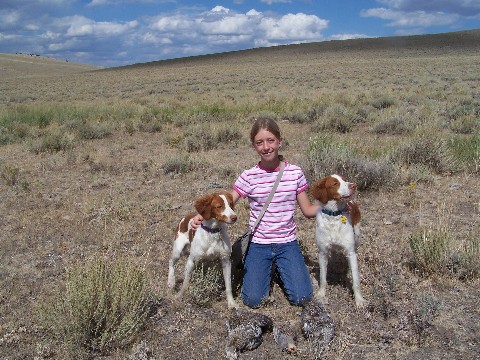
218,205
332,187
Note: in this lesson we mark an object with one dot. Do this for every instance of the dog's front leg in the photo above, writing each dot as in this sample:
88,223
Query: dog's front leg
186,279
178,249
352,261
227,277
323,264
171,267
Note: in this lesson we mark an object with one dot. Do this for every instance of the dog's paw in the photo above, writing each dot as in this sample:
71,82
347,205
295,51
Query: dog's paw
321,298
232,304
171,281
360,302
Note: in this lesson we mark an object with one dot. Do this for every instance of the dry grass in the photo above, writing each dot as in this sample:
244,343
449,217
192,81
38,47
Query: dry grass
106,162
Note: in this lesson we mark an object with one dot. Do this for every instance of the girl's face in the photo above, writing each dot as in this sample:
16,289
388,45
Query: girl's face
266,144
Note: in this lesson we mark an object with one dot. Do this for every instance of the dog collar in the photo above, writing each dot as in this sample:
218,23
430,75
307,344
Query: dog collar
332,213
210,230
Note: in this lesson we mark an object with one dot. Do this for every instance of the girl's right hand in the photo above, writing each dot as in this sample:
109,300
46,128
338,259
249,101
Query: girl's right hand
196,221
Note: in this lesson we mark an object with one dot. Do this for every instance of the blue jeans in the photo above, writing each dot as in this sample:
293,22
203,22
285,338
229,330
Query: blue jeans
291,268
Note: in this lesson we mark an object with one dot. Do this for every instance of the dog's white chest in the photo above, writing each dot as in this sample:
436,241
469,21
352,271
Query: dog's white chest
209,246
334,230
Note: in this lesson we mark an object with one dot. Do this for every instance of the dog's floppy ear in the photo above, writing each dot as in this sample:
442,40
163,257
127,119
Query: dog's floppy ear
204,206
319,190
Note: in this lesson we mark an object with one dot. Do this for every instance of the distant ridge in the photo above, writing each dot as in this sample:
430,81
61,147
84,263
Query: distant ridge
28,65
450,41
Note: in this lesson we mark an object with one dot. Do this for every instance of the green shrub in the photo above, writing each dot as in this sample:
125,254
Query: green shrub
10,174
316,111
94,131
467,151
465,108
467,124
87,122
418,173
104,306
153,119
52,142
431,250
325,157
337,117
199,138
426,310
206,284
6,136
298,117
394,123
204,137
178,164
227,133
470,257
428,150
382,102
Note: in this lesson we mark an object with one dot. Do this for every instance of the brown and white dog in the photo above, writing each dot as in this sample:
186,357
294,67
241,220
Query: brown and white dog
208,242
337,225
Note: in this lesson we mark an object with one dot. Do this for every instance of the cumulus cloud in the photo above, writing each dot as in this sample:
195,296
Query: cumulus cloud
348,36
293,27
229,29
410,19
270,2
82,26
412,15
458,7
8,18
94,3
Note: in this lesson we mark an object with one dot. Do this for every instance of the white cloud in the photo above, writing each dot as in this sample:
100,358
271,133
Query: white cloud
224,26
220,9
94,3
294,27
173,23
8,18
410,19
82,26
270,2
458,7
253,12
235,24
348,36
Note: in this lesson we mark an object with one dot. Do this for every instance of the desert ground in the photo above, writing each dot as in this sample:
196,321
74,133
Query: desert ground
114,195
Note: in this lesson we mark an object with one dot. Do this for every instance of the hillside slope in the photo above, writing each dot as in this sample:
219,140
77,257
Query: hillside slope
464,41
26,65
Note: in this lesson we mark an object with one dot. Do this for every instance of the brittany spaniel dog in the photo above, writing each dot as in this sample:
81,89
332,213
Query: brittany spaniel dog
208,242
337,224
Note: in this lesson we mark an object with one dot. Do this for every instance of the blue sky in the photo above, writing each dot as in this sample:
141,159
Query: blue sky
121,32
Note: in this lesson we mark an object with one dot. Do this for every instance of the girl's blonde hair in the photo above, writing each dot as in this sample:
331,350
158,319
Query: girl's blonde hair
265,123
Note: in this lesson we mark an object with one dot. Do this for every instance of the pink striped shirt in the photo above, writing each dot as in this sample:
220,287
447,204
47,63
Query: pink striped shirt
277,225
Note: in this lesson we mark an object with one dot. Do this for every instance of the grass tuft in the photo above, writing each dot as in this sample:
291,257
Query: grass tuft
428,150
467,151
325,157
206,284
10,173
178,164
431,249
104,306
